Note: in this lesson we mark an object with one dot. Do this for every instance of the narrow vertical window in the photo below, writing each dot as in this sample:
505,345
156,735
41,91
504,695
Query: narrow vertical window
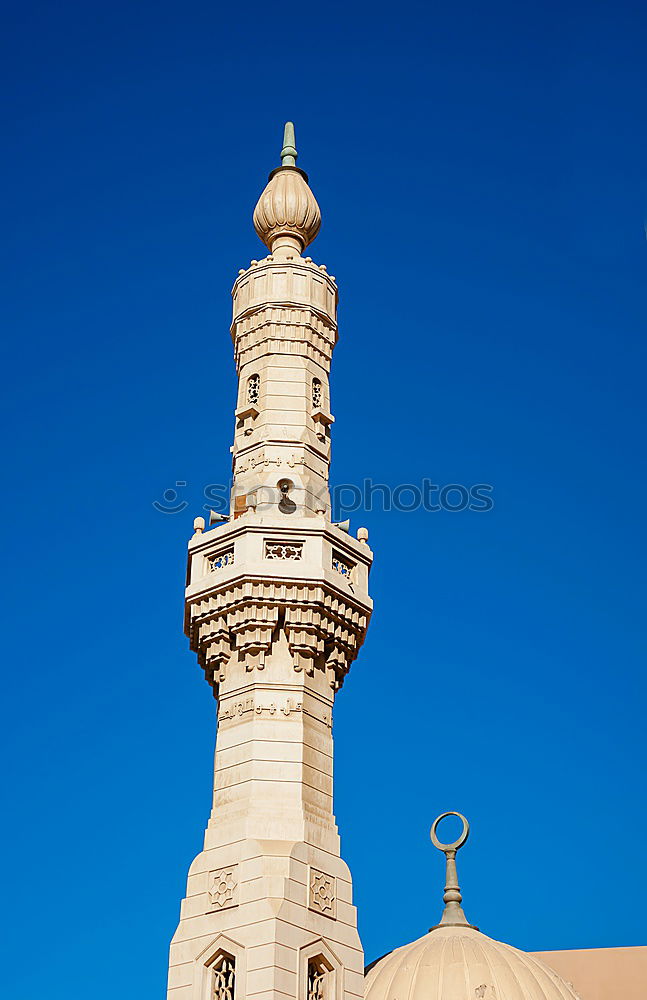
317,973
253,389
224,978
316,392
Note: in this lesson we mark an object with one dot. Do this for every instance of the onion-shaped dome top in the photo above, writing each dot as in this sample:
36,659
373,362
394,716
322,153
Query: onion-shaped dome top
455,961
287,213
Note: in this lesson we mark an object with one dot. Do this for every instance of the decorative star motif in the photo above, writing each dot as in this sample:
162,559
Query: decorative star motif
222,887
322,891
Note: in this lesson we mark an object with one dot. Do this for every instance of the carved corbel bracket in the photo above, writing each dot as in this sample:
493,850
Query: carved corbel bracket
337,664
322,420
215,640
246,415
252,628
305,637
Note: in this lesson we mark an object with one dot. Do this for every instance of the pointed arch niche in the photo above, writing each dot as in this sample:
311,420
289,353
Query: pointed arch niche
220,971
321,974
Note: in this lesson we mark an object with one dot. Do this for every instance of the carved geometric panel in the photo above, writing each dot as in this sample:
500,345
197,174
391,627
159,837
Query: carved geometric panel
253,388
221,559
222,887
283,550
343,566
322,895
317,974
224,978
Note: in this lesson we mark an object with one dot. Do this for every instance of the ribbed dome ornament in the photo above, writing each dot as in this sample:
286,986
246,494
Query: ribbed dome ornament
287,217
453,915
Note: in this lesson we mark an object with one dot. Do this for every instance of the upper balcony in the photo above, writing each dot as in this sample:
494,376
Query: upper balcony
259,547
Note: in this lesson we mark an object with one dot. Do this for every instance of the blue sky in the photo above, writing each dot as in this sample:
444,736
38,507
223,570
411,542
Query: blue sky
482,173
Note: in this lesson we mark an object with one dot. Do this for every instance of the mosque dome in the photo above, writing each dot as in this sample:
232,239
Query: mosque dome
455,961
460,963
287,213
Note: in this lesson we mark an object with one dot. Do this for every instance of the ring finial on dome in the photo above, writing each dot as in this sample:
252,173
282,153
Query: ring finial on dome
453,915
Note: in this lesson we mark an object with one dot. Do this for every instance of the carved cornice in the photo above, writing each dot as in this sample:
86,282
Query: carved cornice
324,628
273,329
293,303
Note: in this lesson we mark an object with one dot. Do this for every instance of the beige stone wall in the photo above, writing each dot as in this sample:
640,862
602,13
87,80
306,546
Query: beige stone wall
602,973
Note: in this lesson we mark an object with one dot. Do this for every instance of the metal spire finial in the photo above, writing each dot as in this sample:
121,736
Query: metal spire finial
453,915
289,152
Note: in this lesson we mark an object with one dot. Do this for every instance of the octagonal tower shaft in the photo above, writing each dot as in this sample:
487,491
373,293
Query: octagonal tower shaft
277,607
284,332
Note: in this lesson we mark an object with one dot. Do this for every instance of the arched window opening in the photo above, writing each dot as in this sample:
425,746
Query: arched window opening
317,394
224,978
253,389
318,975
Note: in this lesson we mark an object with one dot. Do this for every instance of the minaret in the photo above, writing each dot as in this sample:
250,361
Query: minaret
277,607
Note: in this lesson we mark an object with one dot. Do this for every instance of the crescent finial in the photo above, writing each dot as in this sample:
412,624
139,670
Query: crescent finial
453,915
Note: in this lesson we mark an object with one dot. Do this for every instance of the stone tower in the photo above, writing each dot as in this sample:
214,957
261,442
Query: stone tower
277,607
